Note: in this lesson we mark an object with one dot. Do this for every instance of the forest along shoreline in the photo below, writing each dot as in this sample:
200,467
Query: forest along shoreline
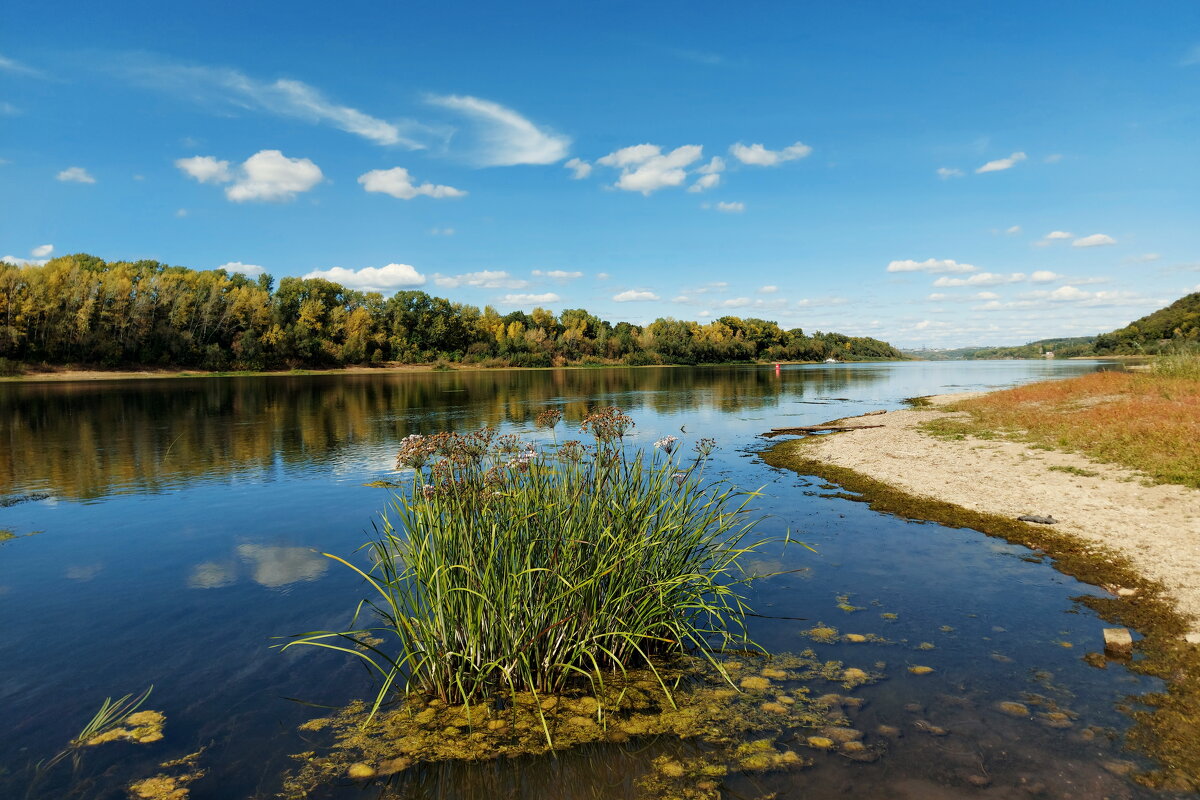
1115,527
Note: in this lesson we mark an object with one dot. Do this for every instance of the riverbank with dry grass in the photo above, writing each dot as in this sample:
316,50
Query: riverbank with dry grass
980,461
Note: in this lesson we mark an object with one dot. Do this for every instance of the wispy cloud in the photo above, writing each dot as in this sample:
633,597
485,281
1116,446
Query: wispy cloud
75,175
285,97
1191,57
14,67
484,279
526,299
733,207
949,172
42,250
981,279
505,138
556,274
931,265
1002,163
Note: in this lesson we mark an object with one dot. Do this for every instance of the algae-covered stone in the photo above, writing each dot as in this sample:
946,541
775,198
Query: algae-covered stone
393,765
774,708
1013,709
853,676
777,674
856,638
755,683
890,731
841,735
926,646
360,771
820,742
918,670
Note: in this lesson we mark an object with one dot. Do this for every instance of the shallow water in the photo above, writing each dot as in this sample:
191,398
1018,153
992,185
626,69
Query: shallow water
185,518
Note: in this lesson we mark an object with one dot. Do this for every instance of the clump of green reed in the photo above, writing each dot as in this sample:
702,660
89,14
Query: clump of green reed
1181,362
507,568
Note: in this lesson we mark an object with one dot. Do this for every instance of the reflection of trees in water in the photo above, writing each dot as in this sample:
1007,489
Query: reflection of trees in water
82,440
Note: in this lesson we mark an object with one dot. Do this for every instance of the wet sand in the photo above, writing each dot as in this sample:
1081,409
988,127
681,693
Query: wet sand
1156,527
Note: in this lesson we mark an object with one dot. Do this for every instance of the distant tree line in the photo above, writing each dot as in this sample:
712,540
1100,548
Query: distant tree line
80,309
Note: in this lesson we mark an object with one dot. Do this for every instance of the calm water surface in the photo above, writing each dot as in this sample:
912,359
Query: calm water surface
185,517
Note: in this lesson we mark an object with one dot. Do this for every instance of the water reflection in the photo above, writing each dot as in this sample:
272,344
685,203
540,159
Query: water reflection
86,441
272,566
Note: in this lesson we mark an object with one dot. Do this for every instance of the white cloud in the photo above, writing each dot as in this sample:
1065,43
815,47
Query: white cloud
1053,158
399,184
42,250
1002,163
557,274
441,231
768,289
937,296
985,296
506,137
644,167
820,302
252,270
1144,258
524,299
580,169
760,156
708,181
949,172
181,212
205,169
1013,230
484,279
269,176
16,261
75,175
633,295
981,279
1095,240
731,208
283,97
717,164
1058,235
381,279
1069,293
602,276
1044,276
930,265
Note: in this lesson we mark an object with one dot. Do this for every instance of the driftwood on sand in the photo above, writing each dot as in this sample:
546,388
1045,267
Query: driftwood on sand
804,430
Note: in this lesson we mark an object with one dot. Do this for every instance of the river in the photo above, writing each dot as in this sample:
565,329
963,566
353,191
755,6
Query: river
184,519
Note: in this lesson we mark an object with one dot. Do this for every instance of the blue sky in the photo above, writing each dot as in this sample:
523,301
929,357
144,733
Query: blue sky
933,174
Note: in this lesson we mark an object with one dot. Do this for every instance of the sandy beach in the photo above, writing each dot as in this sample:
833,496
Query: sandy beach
1156,527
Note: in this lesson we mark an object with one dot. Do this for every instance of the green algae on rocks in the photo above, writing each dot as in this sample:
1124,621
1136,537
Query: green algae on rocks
738,728
1168,733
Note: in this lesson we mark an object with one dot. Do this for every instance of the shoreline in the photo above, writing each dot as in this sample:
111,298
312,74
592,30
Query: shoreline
69,373
1145,552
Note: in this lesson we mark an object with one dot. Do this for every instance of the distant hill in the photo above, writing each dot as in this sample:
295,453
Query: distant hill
1178,323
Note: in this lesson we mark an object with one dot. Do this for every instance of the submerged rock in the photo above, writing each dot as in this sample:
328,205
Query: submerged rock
1013,709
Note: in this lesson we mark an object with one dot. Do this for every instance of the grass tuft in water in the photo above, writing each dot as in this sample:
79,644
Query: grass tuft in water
505,568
